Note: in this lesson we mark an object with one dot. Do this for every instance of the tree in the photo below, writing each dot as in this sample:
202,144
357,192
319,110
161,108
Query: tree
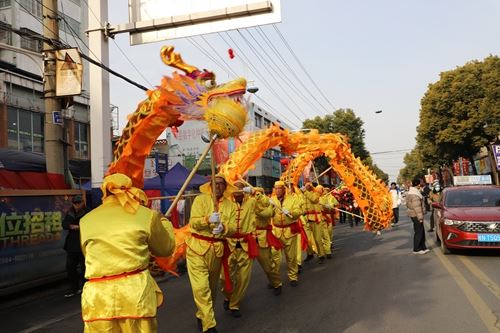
460,113
345,121
414,167
342,121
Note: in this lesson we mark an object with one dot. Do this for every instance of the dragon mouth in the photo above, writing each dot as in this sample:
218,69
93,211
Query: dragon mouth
236,95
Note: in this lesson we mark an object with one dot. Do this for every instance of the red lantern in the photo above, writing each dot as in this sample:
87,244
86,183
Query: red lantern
231,53
284,161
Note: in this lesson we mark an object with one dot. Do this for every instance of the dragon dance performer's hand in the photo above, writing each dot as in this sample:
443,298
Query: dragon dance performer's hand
271,202
286,211
247,190
303,189
214,218
218,229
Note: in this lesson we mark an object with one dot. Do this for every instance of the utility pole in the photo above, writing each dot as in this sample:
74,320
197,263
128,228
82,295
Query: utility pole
54,152
100,111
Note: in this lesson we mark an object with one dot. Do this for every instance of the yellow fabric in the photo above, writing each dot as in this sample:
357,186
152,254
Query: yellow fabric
245,221
290,249
204,273
266,262
115,242
317,231
120,186
142,325
290,203
240,267
279,183
263,220
203,206
312,204
326,238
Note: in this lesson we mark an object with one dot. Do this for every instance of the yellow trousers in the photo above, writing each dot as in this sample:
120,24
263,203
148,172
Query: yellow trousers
327,238
317,230
240,268
141,325
204,274
311,245
266,262
290,249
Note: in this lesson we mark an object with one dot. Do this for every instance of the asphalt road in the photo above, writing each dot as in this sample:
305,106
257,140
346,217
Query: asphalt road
372,284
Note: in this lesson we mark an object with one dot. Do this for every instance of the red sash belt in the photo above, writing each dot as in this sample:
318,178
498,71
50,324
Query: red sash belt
316,219
253,248
228,287
117,276
327,217
304,242
271,239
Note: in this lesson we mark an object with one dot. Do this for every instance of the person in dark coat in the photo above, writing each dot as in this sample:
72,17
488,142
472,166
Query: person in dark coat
74,256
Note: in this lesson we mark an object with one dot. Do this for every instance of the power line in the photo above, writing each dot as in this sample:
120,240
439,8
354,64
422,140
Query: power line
300,64
64,44
209,56
119,48
283,74
264,65
256,72
285,63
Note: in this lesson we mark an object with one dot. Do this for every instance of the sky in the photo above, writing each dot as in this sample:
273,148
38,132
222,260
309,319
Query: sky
362,55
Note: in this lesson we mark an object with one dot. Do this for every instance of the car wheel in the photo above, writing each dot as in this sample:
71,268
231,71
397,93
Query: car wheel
444,248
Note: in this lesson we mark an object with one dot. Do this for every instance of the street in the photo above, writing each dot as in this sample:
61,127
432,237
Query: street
372,284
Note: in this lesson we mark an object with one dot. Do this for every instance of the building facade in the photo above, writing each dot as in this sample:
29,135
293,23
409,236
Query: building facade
22,111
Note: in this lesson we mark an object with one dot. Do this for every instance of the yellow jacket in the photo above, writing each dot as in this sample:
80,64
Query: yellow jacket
246,218
115,242
280,220
312,205
203,206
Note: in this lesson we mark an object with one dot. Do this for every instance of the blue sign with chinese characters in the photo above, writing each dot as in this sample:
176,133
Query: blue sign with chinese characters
31,237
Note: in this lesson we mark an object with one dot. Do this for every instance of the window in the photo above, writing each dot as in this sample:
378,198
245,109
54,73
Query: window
69,25
4,3
25,130
267,123
31,41
32,7
258,120
5,33
81,140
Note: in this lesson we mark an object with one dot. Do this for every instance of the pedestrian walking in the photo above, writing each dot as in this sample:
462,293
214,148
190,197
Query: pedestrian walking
396,201
416,211
75,261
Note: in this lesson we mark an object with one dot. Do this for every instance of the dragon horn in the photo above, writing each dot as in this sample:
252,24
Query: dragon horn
172,59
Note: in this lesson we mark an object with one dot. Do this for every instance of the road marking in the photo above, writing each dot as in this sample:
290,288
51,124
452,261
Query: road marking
50,322
485,280
489,319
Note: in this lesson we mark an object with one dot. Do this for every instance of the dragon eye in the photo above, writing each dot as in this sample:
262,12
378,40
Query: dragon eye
209,84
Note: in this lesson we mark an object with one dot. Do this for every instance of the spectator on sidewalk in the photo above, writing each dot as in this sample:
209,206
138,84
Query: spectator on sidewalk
416,211
434,196
75,262
396,201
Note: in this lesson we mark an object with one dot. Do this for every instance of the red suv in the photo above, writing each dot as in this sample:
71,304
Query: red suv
468,217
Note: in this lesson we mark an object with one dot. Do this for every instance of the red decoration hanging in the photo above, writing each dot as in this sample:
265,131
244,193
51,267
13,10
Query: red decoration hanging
231,53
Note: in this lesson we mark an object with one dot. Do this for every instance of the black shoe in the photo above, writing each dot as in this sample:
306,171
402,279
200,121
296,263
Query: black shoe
294,283
226,305
328,256
277,291
309,257
199,324
299,267
235,313
321,260
211,330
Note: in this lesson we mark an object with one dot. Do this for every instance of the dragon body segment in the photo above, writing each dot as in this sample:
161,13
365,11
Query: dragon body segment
370,193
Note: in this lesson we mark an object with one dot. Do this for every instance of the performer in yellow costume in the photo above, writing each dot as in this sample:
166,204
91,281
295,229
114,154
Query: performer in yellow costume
266,241
285,227
117,238
208,249
315,218
328,202
242,245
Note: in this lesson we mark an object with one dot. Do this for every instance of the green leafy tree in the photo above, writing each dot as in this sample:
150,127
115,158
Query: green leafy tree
414,167
344,121
460,113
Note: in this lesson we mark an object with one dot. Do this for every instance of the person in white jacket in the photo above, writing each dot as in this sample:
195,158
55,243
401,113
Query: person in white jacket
396,201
